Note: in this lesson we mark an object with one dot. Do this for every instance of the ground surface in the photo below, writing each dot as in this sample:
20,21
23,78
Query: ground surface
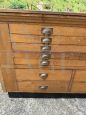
32,106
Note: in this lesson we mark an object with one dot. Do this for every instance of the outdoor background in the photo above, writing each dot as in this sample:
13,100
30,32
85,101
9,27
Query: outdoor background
51,5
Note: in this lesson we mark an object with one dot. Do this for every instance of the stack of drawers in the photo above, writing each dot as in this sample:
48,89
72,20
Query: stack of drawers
33,48
47,58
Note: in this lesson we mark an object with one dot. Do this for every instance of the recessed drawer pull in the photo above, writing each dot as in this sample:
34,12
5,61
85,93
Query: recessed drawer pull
45,63
43,75
46,40
43,87
46,48
47,31
45,56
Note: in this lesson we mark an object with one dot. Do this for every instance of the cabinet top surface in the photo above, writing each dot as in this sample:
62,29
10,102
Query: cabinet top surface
13,11
27,16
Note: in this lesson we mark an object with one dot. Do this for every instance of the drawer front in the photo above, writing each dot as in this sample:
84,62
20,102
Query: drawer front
25,29
63,63
54,48
59,40
43,86
42,74
36,29
54,55
80,76
78,87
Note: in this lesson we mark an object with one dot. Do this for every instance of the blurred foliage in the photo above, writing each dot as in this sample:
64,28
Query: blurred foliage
53,5
18,4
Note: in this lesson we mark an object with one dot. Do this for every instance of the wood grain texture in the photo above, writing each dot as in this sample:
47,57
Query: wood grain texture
54,55
58,39
56,62
2,81
80,76
28,74
20,51
55,48
78,87
27,66
68,19
32,29
33,86
8,74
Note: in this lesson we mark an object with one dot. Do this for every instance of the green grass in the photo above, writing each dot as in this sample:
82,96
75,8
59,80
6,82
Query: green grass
53,5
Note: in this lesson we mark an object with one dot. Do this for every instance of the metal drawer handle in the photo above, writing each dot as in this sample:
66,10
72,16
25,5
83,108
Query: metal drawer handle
47,31
46,40
46,48
43,75
43,87
45,56
45,63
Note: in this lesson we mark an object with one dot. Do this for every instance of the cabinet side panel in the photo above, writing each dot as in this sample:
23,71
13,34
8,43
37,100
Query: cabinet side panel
6,59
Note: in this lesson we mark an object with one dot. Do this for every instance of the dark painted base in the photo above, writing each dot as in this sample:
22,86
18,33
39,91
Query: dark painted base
45,95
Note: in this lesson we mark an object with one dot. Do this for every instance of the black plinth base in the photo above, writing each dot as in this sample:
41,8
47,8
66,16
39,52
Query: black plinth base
45,95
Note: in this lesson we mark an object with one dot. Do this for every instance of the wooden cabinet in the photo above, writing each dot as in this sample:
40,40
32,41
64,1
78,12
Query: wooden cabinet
43,52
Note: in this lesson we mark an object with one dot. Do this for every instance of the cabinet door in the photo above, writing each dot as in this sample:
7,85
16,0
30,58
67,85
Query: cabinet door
79,84
6,59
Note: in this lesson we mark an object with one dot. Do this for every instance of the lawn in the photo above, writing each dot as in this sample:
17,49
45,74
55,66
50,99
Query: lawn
51,5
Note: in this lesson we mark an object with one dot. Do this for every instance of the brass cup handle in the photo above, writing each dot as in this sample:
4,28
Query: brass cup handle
47,31
45,56
43,87
43,75
45,63
46,40
46,48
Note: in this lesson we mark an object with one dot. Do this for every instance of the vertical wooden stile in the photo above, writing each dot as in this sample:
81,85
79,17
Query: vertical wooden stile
6,58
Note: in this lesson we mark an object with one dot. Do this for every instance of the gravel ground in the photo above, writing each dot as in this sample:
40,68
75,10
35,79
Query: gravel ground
30,106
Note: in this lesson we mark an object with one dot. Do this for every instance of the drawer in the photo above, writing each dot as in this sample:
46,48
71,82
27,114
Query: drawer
53,62
43,86
25,29
67,40
54,55
36,29
42,74
78,87
54,48
80,76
